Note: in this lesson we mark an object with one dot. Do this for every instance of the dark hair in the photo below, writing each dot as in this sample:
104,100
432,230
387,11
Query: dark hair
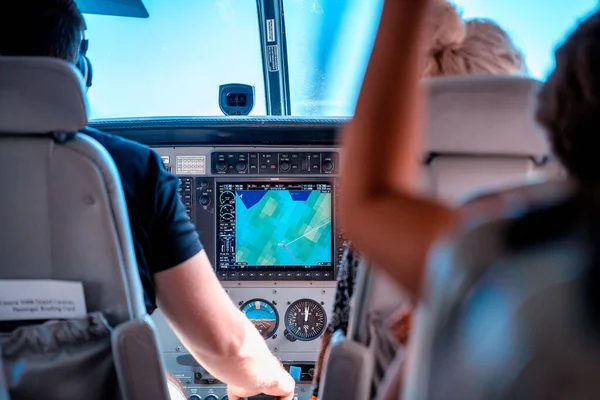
569,103
49,28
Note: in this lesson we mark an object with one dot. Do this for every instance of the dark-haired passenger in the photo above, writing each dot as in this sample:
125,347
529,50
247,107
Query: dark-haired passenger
569,103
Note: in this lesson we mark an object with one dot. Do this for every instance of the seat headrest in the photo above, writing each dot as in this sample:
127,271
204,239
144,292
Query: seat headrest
41,95
483,114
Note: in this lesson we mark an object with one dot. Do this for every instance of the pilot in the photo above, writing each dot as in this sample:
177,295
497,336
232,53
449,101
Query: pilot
455,47
175,272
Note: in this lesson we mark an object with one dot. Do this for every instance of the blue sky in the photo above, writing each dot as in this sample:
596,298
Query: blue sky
172,63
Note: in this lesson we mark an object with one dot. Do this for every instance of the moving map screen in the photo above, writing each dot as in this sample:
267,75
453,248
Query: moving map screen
274,226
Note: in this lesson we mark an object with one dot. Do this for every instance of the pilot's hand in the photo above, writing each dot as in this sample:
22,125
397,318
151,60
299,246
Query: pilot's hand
283,388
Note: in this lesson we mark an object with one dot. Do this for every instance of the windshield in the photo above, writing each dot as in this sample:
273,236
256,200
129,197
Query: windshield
172,63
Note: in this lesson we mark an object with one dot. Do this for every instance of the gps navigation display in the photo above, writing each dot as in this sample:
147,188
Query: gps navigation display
274,226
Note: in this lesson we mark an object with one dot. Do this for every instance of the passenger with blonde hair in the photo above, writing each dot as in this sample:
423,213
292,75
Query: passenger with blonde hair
468,47
388,203
455,47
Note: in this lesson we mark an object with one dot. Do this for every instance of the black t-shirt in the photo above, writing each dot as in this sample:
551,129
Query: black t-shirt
163,235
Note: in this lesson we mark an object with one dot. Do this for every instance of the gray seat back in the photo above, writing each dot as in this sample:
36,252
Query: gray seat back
481,135
64,217
507,310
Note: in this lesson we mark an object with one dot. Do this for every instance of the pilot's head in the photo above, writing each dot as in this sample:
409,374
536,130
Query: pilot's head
569,103
51,28
476,46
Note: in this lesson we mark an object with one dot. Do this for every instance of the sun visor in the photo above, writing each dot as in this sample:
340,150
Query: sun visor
118,8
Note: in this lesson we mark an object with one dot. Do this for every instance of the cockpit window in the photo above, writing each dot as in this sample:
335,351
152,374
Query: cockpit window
329,42
172,63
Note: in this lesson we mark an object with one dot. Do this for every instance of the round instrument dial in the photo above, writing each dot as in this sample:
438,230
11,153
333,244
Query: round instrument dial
226,209
263,315
227,198
305,320
226,217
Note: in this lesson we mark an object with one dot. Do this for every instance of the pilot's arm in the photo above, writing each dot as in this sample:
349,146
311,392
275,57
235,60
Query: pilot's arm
379,208
198,309
217,334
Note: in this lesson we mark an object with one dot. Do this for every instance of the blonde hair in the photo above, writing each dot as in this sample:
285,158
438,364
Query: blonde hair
476,46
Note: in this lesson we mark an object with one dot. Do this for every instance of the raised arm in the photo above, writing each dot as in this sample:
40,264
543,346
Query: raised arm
379,208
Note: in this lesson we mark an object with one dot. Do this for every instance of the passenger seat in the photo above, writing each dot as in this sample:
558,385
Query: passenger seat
481,135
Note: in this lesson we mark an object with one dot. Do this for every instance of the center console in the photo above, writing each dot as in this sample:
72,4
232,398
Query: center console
267,218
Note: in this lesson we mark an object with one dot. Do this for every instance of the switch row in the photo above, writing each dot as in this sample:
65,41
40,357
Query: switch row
274,163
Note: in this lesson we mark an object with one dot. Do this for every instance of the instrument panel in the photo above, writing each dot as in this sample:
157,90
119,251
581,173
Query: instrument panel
267,217
258,213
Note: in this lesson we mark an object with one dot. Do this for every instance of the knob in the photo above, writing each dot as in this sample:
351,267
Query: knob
241,166
225,397
327,166
204,200
211,397
194,397
289,336
284,166
204,184
221,166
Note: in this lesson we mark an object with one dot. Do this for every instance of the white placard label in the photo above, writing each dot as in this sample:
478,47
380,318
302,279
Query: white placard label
193,165
41,299
270,30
